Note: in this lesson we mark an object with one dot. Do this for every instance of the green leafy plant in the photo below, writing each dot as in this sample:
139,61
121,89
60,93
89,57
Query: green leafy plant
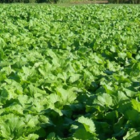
69,73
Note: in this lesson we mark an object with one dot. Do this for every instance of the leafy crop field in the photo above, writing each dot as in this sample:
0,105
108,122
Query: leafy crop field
69,73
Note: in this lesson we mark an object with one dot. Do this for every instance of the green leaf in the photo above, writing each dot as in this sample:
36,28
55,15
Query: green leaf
88,124
132,135
104,100
82,134
11,127
135,105
67,96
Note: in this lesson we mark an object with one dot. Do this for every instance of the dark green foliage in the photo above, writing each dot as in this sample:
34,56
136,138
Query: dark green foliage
124,1
29,1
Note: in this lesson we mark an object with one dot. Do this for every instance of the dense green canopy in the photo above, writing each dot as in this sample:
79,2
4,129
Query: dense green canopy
69,73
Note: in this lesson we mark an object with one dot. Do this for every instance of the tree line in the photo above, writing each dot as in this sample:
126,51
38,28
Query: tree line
125,1
55,1
28,1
